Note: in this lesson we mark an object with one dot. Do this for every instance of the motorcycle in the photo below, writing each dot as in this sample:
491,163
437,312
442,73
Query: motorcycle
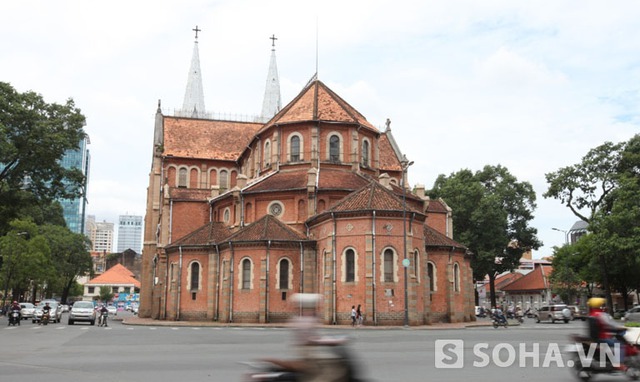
14,317
45,318
282,370
102,320
499,320
588,358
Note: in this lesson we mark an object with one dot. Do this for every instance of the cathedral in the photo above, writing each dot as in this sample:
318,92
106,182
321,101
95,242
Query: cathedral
307,198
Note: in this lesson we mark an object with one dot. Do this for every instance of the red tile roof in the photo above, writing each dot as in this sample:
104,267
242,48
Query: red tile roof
210,233
434,238
116,275
198,138
507,279
266,228
536,280
388,158
317,102
330,179
373,196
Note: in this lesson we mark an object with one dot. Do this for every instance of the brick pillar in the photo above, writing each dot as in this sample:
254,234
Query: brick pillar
263,291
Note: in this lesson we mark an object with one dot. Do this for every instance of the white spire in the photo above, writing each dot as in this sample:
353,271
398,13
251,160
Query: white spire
193,105
271,104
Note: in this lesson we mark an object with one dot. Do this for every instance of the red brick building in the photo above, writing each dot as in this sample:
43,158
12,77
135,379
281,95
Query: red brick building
241,215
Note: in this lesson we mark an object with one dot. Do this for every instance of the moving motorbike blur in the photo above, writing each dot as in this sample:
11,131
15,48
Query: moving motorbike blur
588,358
499,320
338,359
45,318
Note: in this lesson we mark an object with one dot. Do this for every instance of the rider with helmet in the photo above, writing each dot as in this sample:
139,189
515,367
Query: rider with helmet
602,328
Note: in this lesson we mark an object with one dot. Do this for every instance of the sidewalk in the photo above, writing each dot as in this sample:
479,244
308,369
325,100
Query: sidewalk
135,320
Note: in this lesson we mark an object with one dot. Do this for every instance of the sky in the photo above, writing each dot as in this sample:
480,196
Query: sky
532,86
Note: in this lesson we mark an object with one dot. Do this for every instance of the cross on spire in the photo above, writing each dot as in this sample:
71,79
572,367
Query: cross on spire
273,39
197,30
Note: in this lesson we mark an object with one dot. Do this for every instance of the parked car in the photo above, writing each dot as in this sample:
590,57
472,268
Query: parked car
27,311
82,311
55,315
633,314
578,313
553,313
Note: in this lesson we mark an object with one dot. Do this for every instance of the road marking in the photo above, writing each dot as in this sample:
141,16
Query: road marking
174,328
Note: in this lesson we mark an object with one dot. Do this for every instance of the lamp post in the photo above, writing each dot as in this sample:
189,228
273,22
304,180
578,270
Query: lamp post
566,234
405,262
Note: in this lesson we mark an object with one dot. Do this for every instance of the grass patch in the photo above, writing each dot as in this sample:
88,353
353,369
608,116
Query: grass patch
632,324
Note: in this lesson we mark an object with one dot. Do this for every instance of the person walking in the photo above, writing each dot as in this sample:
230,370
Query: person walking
353,315
358,316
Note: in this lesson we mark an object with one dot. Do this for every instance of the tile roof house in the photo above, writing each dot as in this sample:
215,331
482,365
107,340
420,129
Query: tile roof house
532,290
118,278
314,199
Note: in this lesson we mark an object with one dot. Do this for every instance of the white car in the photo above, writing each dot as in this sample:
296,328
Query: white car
112,310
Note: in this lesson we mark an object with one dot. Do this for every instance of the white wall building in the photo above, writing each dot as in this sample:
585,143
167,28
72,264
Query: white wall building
130,233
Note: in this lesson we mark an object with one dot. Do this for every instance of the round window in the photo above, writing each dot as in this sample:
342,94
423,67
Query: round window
275,209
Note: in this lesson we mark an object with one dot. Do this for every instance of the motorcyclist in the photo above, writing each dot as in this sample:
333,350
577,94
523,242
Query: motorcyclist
16,307
499,315
104,312
46,310
602,328
316,352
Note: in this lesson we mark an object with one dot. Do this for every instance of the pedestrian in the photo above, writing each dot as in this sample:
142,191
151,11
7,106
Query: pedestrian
358,316
353,315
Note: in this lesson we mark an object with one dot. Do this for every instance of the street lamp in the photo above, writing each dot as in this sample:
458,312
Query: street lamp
566,234
405,262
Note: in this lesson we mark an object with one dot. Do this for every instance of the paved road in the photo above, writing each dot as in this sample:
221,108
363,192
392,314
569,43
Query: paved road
59,352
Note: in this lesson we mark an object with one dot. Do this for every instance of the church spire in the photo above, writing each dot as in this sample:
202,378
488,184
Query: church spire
193,105
271,104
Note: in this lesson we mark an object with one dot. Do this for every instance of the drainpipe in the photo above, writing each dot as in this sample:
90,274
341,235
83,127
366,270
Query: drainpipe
241,209
231,284
266,286
373,263
170,219
166,287
301,287
216,314
179,284
333,266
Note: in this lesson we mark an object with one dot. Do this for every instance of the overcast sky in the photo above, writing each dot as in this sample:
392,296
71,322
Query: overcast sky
528,85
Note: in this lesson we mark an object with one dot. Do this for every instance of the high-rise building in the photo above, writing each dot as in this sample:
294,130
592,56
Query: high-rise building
129,233
100,234
74,209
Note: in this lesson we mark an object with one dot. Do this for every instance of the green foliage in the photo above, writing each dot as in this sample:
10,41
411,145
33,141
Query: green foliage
491,215
607,185
106,294
70,257
34,136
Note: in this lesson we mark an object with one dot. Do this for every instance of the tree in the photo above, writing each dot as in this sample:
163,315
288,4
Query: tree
106,294
34,136
70,257
590,190
24,258
491,215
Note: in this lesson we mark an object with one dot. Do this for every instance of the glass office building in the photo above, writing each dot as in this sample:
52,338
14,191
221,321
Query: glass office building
74,209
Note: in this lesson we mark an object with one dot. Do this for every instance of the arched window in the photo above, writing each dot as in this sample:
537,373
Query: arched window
416,265
295,148
267,153
334,149
224,180
350,265
246,274
431,273
283,282
388,265
182,177
456,277
365,153
226,215
195,276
